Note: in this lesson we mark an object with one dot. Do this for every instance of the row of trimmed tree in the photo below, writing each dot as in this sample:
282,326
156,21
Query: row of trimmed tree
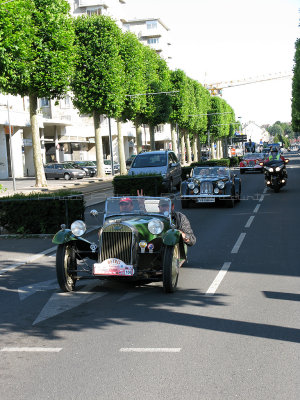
296,90
44,52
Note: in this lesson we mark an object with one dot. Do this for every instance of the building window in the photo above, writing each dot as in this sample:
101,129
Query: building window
66,102
44,102
153,41
94,11
151,24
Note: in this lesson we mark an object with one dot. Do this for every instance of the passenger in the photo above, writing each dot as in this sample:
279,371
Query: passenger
126,204
180,220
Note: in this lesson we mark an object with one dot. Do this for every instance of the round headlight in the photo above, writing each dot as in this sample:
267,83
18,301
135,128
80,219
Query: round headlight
78,228
196,190
216,190
277,169
155,226
221,184
191,185
271,169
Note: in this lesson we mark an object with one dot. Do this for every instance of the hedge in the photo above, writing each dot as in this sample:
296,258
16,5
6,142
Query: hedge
129,185
38,213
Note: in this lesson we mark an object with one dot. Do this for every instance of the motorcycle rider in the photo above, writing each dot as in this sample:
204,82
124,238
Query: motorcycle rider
275,155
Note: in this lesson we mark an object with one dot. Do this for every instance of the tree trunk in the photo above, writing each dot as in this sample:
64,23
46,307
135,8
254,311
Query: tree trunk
123,170
174,139
138,132
182,149
40,178
99,145
199,148
195,148
152,137
212,149
188,148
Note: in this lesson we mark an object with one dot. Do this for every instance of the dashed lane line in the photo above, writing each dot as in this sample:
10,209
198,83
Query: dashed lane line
249,222
238,243
256,208
32,349
216,283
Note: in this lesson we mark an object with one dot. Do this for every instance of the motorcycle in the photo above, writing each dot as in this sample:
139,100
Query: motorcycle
275,174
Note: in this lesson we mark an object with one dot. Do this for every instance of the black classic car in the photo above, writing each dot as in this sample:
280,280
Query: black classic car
137,243
208,184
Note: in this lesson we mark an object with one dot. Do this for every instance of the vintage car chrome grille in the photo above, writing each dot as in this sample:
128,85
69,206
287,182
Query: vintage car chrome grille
116,242
206,188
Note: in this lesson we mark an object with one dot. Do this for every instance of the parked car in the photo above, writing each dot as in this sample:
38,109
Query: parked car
137,244
208,184
63,170
158,162
251,162
87,166
107,167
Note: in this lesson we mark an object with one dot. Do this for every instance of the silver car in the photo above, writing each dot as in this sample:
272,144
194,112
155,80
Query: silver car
66,171
160,162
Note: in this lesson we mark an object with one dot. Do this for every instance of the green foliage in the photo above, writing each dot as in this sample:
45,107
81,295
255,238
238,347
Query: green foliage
2,189
223,162
296,90
99,79
36,48
151,185
40,213
222,120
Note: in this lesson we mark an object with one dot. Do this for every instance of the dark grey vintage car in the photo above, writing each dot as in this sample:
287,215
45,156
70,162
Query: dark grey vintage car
209,184
137,243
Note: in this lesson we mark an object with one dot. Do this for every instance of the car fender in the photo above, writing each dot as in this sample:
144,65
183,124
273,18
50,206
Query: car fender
184,187
172,237
66,235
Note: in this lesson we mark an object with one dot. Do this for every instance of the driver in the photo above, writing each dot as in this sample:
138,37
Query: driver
180,220
126,204
275,155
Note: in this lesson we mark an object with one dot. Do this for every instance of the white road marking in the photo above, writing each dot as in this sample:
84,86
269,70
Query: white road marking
238,243
32,349
26,291
61,302
261,198
150,349
256,208
249,222
28,261
216,283
265,190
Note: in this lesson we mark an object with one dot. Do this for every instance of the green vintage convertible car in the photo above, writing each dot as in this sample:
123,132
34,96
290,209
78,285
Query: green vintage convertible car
137,243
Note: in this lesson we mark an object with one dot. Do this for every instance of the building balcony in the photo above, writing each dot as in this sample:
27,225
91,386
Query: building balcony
89,3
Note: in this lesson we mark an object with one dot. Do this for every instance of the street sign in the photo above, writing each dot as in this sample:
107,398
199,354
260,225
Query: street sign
240,138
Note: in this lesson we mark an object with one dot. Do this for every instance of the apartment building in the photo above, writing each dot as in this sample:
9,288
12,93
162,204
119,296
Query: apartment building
66,135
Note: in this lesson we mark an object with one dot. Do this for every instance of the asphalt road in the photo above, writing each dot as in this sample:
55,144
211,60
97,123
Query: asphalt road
231,331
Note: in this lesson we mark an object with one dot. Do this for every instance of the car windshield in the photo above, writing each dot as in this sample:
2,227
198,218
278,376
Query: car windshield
150,160
254,156
138,205
66,166
85,163
201,172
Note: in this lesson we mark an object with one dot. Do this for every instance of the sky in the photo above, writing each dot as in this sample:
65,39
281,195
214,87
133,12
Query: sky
229,40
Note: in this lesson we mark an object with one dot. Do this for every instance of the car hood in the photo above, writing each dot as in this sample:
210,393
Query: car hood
211,179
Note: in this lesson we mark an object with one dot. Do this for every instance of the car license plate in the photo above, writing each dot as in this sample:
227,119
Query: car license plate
206,200
113,267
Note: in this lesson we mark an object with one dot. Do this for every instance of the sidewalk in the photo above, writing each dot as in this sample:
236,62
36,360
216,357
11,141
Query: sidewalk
27,185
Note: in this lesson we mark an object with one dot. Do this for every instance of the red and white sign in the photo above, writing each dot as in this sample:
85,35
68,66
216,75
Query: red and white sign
113,267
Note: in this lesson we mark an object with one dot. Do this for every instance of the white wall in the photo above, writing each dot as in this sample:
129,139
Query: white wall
3,155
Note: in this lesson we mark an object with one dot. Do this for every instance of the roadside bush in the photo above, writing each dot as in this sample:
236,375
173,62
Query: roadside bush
38,213
223,162
128,185
234,161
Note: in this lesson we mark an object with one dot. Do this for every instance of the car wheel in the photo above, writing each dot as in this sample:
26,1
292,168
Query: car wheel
67,177
185,203
66,267
56,179
171,268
